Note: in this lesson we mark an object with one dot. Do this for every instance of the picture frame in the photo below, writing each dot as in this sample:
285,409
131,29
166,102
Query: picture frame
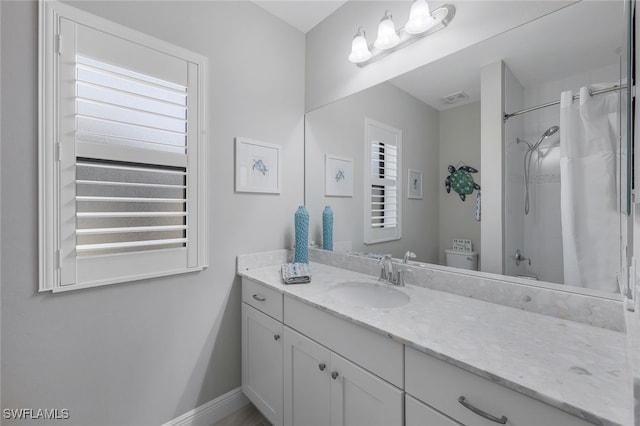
258,166
338,176
414,183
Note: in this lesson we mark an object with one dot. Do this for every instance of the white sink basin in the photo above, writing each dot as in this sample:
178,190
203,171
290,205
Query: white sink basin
369,294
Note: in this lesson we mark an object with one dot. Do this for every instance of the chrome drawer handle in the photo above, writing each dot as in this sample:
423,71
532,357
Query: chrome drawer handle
502,420
259,298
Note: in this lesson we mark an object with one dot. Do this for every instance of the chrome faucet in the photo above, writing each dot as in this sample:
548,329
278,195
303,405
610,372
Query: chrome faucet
389,273
386,268
408,255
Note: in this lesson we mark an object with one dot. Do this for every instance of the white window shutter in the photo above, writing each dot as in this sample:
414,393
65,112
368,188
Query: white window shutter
382,192
128,196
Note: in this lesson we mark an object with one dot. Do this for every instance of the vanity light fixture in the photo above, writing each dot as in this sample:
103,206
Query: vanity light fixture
420,19
359,48
420,24
387,36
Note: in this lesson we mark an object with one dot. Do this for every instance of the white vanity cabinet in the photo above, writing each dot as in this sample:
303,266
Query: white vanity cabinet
470,399
262,349
322,388
302,366
339,373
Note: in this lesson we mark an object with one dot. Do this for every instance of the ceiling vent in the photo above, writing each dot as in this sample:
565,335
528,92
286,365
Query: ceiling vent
455,98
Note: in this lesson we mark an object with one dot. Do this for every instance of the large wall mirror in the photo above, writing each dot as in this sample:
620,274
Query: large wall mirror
438,109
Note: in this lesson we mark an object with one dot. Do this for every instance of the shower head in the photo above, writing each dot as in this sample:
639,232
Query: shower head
550,131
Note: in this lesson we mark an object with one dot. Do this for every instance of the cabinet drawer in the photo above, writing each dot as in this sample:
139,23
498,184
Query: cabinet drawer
373,351
440,384
262,298
419,414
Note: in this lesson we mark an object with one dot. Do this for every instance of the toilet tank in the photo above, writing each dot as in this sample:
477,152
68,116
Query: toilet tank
462,259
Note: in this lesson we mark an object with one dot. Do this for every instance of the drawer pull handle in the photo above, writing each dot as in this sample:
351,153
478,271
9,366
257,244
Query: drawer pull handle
334,375
259,298
276,337
322,366
502,420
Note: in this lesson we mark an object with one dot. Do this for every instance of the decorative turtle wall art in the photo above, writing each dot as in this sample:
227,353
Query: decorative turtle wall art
461,181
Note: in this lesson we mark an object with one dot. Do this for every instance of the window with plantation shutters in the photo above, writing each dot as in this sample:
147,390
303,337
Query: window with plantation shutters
122,154
123,206
382,199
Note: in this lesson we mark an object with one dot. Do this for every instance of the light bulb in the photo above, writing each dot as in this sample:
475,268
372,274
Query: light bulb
387,36
420,19
359,48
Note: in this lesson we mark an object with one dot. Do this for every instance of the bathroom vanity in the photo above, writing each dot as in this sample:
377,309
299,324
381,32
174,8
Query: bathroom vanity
313,356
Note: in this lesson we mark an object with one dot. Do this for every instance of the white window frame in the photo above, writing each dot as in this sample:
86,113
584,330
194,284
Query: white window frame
54,249
377,131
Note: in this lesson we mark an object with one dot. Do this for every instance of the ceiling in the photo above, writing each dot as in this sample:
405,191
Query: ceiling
301,14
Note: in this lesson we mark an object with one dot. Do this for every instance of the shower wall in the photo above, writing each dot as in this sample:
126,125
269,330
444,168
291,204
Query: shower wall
540,230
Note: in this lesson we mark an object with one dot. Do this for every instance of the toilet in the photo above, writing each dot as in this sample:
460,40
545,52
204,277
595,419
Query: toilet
462,259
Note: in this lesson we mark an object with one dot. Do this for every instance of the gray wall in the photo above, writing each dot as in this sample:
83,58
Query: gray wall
143,353
459,141
338,129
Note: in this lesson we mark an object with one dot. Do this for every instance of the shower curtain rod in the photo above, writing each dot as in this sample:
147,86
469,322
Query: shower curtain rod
575,97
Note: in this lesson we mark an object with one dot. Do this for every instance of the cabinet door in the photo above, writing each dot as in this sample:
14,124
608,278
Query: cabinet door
307,383
360,398
262,362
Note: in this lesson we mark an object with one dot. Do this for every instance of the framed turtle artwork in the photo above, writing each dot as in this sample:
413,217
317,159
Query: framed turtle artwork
258,166
460,179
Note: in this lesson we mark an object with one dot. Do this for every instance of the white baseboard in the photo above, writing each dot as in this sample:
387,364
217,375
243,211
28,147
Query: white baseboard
213,411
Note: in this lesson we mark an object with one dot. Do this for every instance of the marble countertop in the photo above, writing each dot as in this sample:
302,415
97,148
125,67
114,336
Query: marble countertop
575,367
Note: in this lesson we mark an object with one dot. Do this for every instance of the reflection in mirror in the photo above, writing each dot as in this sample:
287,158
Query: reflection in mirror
439,111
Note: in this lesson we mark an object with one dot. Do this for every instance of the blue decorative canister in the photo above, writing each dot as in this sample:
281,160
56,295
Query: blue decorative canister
327,228
302,236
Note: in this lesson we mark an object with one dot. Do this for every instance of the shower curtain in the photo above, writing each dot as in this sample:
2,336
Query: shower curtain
590,218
